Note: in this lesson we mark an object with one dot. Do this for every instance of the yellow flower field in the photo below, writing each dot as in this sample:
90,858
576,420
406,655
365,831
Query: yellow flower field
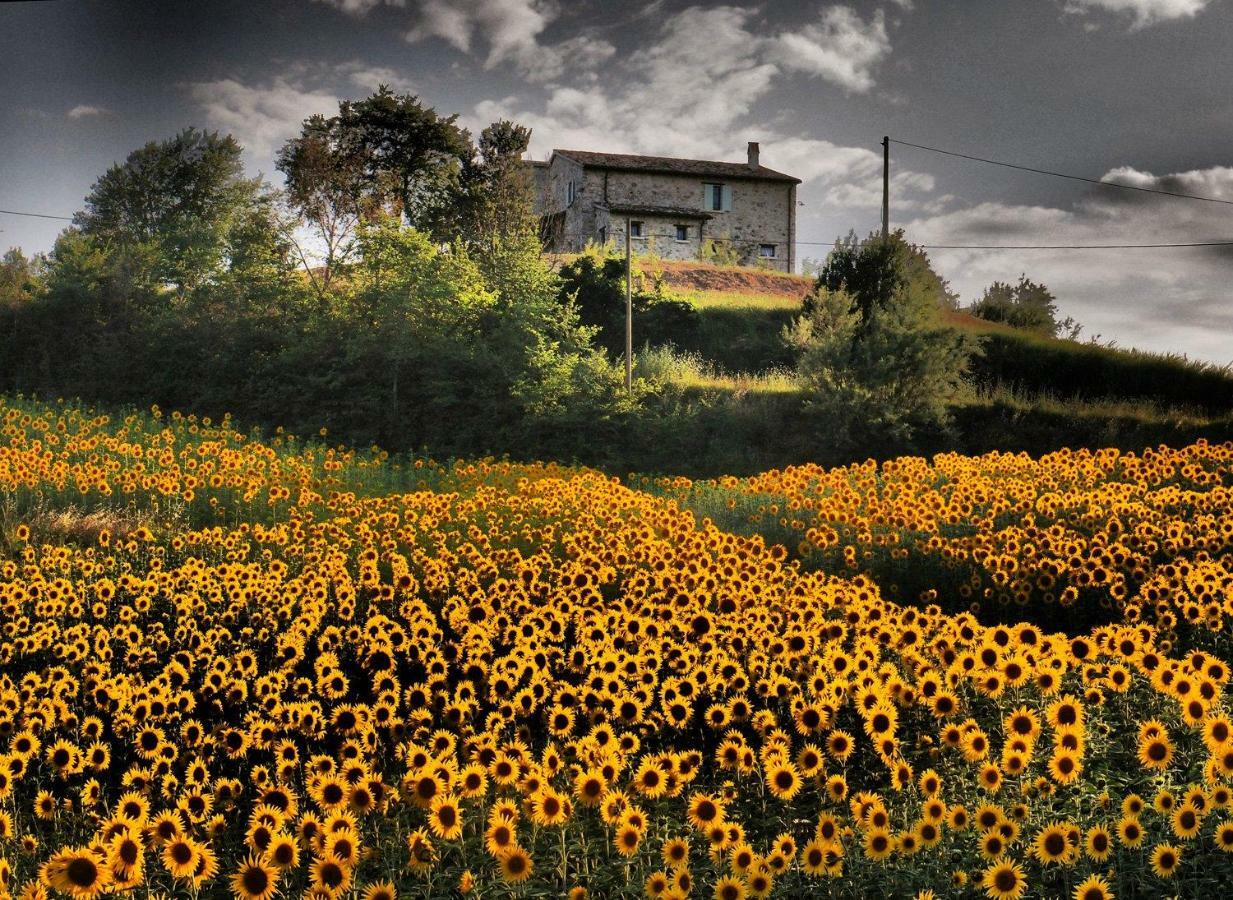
236,667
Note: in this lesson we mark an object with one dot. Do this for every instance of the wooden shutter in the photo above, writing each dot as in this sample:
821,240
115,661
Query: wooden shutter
727,198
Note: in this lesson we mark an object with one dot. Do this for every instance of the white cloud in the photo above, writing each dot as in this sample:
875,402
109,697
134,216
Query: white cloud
366,78
842,48
698,91
1156,299
85,111
260,117
264,115
360,7
511,28
1143,12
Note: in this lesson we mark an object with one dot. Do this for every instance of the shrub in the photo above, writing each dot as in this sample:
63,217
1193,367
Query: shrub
595,284
876,361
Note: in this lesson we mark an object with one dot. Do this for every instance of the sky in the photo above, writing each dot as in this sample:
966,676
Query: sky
1127,91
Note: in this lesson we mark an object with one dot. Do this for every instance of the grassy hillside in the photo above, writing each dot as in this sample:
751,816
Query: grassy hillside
732,405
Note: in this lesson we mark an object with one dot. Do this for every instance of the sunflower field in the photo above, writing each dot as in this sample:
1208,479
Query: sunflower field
234,666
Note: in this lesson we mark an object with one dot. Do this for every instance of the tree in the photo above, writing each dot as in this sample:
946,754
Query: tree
417,304
594,283
878,364
410,159
874,269
326,188
173,202
499,188
1027,305
21,277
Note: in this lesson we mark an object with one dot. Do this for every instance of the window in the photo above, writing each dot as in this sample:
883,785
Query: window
635,229
766,251
603,235
571,191
682,232
716,197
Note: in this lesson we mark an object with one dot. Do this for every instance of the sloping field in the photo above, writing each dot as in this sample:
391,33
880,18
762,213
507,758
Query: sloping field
236,666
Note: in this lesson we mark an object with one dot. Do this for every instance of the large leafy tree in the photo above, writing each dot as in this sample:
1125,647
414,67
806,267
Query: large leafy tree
174,202
386,154
21,277
499,191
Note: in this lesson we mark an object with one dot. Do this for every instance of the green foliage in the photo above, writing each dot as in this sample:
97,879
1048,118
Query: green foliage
1032,364
410,160
21,277
877,363
499,189
390,156
720,253
173,205
594,282
1026,305
872,270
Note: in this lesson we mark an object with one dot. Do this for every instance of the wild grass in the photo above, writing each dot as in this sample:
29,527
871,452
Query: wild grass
685,370
743,300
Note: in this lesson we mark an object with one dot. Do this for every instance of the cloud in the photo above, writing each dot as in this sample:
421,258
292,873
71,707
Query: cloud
1155,299
85,111
698,90
264,115
366,78
1142,12
842,48
359,8
261,117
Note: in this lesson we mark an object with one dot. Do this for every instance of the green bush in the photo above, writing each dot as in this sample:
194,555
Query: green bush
877,363
595,284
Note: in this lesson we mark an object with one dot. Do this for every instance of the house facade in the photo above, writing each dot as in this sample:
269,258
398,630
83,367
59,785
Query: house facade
675,207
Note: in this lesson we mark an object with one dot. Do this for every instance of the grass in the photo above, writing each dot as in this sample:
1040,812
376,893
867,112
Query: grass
706,300
689,371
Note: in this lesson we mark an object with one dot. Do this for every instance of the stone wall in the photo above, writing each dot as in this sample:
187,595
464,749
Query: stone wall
658,235
763,212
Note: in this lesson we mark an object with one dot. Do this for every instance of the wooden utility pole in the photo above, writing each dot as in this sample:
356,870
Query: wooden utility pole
885,188
629,308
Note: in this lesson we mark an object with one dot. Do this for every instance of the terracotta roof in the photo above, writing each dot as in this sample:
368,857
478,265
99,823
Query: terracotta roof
650,209
667,165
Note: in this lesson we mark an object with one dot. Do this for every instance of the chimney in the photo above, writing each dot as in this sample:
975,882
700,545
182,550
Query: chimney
753,154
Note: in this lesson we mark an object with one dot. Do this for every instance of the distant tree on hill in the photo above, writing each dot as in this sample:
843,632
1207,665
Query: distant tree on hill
498,187
390,155
387,153
325,188
21,277
1027,305
879,364
871,270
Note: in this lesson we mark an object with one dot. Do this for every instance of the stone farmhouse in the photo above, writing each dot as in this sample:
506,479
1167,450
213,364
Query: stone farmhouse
674,206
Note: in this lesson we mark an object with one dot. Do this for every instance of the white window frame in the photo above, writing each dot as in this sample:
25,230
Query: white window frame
682,229
762,254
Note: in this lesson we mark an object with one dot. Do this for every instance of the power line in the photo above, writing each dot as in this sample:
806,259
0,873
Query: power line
34,215
1228,243
1096,181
